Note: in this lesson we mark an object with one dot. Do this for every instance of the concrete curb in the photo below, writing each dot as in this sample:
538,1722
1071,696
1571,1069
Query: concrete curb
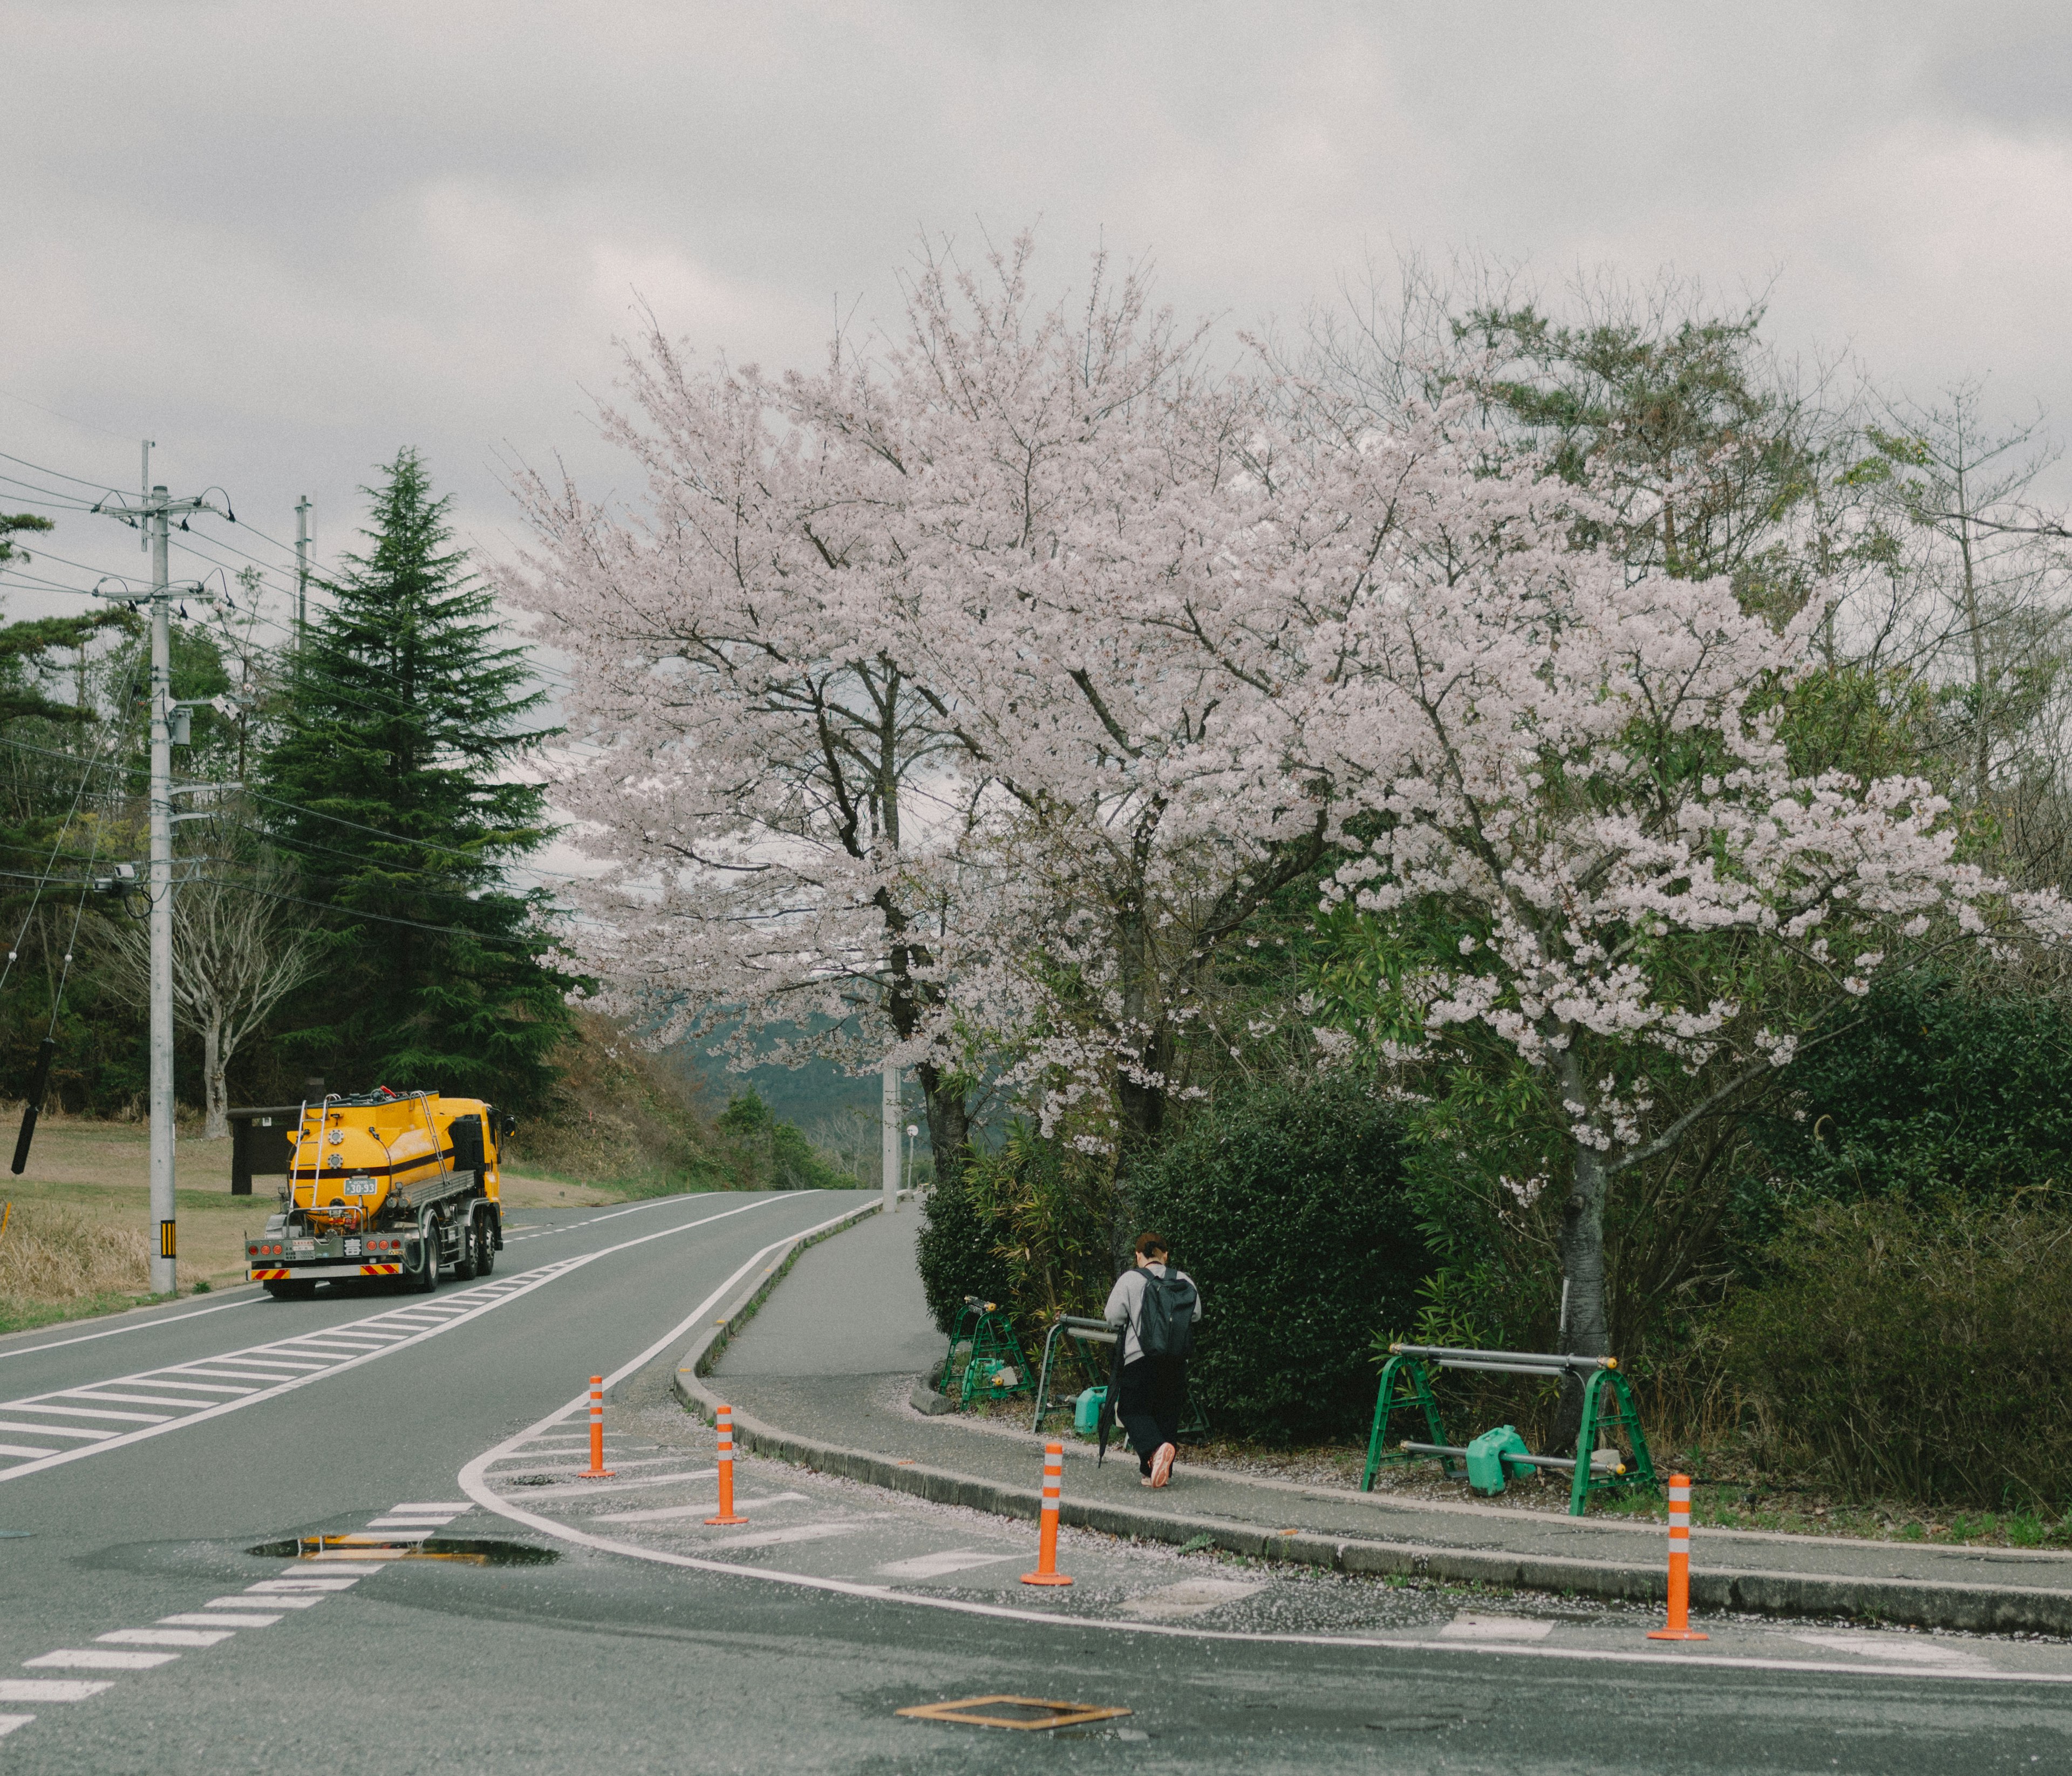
1923,1603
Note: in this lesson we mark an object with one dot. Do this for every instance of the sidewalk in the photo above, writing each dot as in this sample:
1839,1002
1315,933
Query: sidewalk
820,1375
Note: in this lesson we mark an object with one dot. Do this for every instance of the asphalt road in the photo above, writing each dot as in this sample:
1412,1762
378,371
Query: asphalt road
650,1641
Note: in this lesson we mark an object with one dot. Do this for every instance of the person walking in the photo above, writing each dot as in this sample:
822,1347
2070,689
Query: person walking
1156,1306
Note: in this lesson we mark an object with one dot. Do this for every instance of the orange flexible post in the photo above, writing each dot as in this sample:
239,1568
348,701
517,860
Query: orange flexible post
726,1470
597,1470
1678,1627
1046,1571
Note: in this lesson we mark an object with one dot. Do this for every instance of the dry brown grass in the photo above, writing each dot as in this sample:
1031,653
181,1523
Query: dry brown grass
51,1253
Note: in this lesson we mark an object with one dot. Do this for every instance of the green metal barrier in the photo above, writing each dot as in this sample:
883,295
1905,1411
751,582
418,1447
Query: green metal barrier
1598,1465
985,1360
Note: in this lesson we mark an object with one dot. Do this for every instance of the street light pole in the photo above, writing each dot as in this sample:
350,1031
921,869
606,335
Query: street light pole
889,1128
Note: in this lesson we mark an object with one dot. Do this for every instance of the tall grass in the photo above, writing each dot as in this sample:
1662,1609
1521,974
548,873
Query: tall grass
1904,1353
51,1258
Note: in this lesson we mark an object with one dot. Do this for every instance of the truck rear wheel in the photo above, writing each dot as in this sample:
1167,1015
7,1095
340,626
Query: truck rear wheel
464,1259
485,1248
426,1278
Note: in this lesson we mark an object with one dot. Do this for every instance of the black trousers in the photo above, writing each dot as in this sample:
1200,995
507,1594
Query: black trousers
1148,1401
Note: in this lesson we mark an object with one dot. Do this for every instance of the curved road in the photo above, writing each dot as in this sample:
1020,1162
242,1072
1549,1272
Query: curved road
143,1462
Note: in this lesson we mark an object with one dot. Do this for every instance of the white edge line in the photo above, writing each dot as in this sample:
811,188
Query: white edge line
546,1274
115,1331
471,1482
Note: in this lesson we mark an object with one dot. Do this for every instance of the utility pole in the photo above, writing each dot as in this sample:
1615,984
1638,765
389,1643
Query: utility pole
888,1128
157,510
302,570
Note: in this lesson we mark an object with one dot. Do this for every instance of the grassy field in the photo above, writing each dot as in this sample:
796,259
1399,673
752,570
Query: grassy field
79,1230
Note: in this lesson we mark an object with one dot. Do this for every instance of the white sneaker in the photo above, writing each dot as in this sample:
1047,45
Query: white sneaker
1161,1464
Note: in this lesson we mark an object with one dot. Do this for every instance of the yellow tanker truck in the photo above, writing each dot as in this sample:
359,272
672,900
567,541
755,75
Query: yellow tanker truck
385,1186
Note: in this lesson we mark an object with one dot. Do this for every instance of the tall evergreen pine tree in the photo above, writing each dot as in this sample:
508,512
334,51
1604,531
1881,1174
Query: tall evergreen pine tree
404,712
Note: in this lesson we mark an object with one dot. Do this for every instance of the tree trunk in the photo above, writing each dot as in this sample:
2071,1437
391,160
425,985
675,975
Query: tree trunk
949,1122
216,1126
1587,1332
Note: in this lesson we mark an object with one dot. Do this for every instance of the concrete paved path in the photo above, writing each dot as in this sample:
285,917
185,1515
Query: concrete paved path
831,1356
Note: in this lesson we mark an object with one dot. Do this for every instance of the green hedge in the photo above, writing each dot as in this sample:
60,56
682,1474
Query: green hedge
955,1252
1288,1208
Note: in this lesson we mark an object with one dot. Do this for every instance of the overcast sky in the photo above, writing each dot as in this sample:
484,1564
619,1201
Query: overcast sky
284,240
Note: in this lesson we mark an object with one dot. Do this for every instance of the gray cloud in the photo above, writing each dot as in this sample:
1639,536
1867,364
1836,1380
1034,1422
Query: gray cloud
283,240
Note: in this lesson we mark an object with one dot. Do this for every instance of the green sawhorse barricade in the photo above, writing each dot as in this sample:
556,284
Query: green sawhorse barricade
1406,1386
985,1360
1093,1345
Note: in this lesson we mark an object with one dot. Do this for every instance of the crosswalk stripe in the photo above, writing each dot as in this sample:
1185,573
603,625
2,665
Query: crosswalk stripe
97,1659
199,1387
53,1430
85,1412
51,1689
805,1532
133,1399
704,1510
22,1449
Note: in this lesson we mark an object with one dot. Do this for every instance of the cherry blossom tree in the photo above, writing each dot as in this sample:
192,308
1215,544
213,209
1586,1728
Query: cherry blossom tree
1567,791
893,711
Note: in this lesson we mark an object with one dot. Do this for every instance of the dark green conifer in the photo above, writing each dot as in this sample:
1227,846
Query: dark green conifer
393,783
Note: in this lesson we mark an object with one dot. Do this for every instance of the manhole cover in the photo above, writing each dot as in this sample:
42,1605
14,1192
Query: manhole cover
468,1551
1027,1713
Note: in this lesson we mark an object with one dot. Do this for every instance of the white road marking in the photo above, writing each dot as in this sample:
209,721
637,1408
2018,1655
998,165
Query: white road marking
570,1489
1907,1649
1467,1626
129,1399
201,1618
455,1506
271,1603
1190,1597
706,1510
803,1532
51,1689
288,1363
197,1387
165,1636
937,1566
97,1659
9,1722
330,1582
22,1449
117,1331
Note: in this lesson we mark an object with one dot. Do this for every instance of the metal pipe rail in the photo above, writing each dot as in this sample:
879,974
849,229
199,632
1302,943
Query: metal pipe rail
1508,1362
1565,1463
1074,1325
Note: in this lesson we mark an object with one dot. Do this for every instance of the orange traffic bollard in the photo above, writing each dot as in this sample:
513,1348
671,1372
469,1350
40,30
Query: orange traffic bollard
597,1470
1680,1627
726,1470
1046,1571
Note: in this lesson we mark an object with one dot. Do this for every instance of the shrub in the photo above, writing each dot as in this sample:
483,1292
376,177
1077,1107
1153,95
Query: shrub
1929,1090
1916,1354
774,1154
956,1252
1288,1207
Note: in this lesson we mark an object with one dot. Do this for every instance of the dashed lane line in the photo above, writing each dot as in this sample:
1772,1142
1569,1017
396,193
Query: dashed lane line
260,1605
279,1366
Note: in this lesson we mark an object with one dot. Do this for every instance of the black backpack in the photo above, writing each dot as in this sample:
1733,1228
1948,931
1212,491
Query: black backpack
1166,1323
